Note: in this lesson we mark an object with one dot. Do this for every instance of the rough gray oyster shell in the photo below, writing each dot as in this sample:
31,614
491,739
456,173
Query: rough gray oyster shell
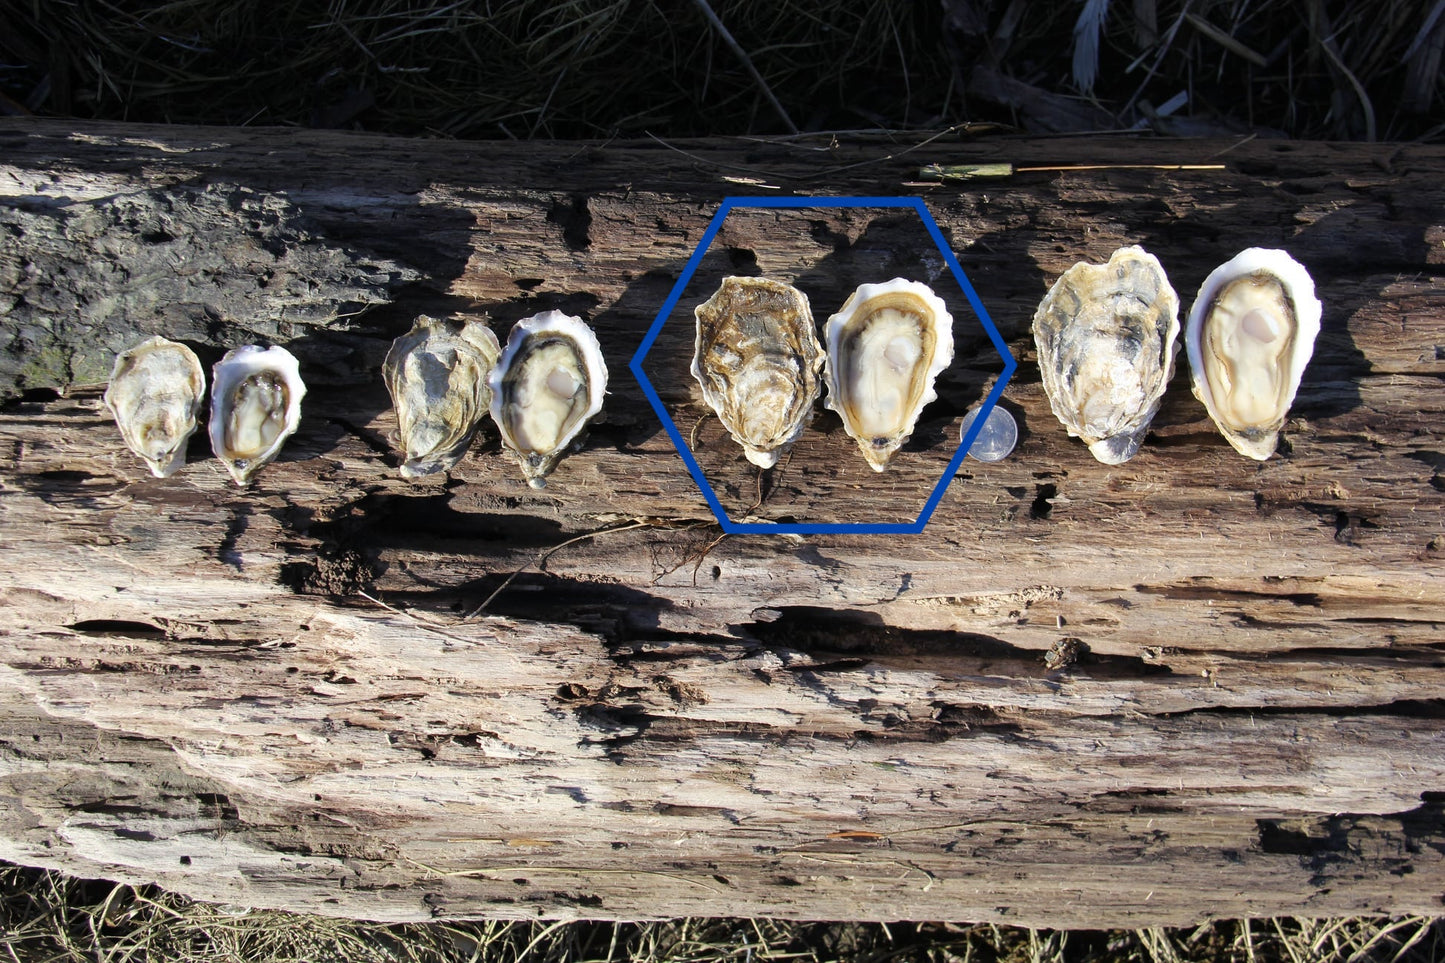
758,360
1106,338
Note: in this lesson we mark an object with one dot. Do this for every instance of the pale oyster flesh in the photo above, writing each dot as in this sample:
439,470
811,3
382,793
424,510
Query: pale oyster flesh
1251,333
549,383
437,376
1106,338
758,361
886,347
154,393
255,406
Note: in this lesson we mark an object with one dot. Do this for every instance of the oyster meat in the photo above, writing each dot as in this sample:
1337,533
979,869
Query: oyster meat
255,406
548,384
154,393
758,361
1251,333
1106,337
437,375
886,346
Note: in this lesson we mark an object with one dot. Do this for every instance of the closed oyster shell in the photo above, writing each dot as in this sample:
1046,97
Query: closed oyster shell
1106,338
1251,333
255,406
437,376
154,393
548,384
758,360
886,346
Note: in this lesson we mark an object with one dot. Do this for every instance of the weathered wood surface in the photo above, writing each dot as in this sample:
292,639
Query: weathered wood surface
662,722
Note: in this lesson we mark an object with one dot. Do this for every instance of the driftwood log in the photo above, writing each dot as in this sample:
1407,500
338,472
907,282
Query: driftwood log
1189,686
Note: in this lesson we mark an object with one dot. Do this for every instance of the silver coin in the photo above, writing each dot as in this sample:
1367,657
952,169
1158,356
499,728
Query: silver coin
997,437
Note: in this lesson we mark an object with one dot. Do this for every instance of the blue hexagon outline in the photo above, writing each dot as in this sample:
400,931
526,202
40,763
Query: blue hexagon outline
821,528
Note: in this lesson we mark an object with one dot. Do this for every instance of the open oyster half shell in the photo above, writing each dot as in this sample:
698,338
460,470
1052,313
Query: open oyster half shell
886,346
758,360
154,393
548,384
437,376
255,406
1106,338
1251,333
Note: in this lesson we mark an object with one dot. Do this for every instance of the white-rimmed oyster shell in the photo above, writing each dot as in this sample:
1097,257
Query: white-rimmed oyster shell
437,376
154,393
1251,333
1106,338
255,406
885,347
758,360
548,384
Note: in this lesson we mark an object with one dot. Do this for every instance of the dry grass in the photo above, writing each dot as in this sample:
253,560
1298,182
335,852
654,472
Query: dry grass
49,917
588,68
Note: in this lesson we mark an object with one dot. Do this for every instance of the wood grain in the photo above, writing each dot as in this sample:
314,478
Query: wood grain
1188,686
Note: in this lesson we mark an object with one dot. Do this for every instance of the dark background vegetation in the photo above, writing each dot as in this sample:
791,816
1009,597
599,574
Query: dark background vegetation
678,68
610,68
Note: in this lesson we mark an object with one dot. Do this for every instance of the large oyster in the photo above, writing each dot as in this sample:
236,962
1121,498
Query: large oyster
1251,333
886,345
255,406
437,375
548,384
154,392
1106,341
758,360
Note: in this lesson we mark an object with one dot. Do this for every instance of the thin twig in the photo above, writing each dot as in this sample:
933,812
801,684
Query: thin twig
771,175
540,559
969,172
742,54
879,160
416,621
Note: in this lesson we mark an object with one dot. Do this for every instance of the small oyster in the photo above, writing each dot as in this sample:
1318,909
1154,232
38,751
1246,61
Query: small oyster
758,361
886,345
548,384
154,393
1106,340
1251,333
255,406
437,375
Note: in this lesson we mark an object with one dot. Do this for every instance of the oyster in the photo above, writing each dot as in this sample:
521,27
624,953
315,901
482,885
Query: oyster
758,361
437,375
548,384
154,393
886,345
1251,333
1106,338
255,406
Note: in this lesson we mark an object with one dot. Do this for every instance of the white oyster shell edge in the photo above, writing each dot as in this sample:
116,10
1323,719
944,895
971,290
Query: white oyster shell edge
879,448
275,424
1300,288
536,465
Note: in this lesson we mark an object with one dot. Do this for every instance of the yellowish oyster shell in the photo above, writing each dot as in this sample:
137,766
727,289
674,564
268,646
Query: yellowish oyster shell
886,347
1251,334
548,384
255,406
154,393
